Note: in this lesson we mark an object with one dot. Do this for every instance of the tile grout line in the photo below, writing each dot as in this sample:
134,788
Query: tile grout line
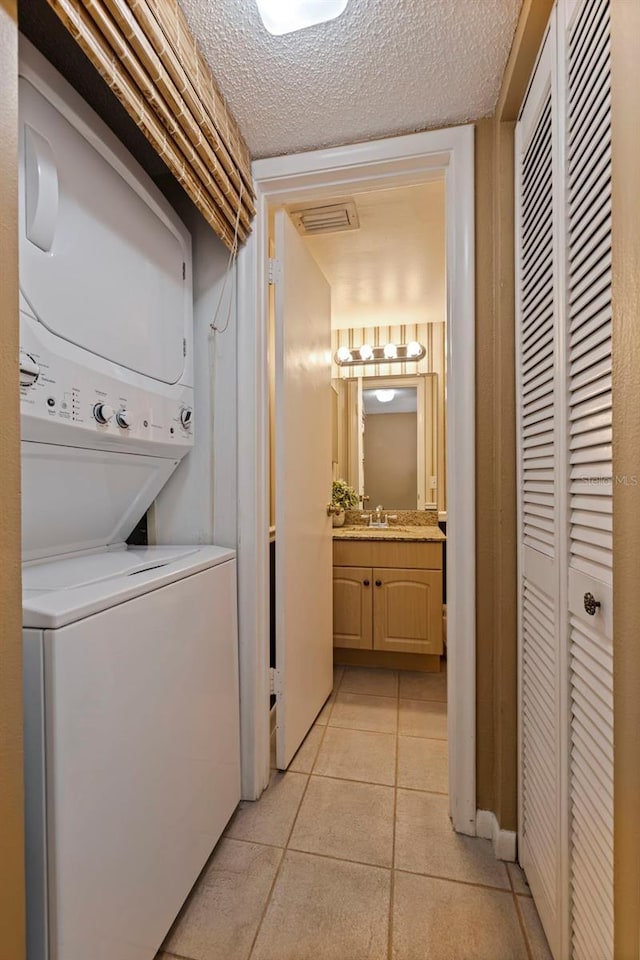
517,897
293,825
396,696
462,883
520,917
378,866
389,696
392,888
411,736
369,783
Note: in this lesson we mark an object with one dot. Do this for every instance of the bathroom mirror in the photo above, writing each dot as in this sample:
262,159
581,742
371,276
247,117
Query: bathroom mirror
387,440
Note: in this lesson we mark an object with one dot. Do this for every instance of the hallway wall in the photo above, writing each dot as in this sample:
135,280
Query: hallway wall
625,84
496,611
199,503
12,945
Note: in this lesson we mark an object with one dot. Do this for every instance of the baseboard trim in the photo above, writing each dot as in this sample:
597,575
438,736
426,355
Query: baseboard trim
504,841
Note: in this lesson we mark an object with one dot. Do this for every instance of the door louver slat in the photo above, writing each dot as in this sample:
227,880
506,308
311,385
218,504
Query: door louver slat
591,780
537,333
590,489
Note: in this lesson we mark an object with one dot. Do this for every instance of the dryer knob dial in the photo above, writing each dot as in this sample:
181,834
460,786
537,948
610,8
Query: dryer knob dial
103,412
186,417
29,370
124,419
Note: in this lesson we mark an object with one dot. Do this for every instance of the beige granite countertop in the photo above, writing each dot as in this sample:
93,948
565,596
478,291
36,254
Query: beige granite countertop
394,532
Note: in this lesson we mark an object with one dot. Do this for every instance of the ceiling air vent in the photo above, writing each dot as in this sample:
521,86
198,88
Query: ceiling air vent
331,217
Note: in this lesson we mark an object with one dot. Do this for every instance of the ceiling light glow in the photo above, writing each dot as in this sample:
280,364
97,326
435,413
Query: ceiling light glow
285,16
385,396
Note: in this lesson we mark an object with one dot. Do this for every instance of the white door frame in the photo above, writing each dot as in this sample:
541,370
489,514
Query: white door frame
399,161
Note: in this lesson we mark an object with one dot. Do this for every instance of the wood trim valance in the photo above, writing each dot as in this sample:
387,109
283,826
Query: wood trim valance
146,53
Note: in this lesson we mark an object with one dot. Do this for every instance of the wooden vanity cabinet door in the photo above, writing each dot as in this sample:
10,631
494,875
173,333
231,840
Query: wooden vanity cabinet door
352,607
407,610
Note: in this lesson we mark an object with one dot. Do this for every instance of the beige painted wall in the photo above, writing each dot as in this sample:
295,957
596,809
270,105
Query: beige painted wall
496,616
391,460
12,945
625,47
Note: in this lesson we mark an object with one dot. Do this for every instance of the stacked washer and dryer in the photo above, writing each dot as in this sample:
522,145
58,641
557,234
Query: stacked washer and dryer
132,764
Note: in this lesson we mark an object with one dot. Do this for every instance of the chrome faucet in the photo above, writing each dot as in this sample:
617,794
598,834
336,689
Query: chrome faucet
378,514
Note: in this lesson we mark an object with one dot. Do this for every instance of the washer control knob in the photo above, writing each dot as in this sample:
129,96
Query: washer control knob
29,370
103,412
124,419
186,417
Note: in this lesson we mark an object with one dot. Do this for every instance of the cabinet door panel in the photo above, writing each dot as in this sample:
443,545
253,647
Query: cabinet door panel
352,607
408,611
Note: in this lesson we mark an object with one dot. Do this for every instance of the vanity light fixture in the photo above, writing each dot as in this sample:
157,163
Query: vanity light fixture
385,396
285,16
390,353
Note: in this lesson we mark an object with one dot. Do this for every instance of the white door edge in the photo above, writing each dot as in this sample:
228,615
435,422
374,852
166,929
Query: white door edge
360,167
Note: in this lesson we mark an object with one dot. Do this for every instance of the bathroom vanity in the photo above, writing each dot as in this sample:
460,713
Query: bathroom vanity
387,596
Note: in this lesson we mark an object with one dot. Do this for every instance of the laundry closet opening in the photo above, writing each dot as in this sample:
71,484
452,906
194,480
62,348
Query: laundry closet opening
357,311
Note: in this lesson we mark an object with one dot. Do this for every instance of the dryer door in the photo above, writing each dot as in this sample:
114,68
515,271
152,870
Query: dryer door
101,263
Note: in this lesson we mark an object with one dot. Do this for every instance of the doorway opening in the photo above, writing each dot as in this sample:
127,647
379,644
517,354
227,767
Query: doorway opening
374,289
405,161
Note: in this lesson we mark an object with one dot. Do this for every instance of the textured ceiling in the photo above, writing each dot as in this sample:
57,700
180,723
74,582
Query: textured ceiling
384,67
392,270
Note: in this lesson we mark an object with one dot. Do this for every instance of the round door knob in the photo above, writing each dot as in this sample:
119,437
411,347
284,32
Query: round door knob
366,583
29,370
124,419
186,417
103,412
378,583
591,604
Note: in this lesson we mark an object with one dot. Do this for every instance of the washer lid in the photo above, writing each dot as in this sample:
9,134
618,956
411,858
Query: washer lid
103,260
62,591
75,498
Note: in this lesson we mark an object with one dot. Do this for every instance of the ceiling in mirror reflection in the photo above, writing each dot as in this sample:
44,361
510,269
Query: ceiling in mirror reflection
404,400
391,271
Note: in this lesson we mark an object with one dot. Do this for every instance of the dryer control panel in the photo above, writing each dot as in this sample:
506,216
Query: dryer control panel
65,401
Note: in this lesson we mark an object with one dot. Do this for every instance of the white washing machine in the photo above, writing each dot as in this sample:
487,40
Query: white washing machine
132,757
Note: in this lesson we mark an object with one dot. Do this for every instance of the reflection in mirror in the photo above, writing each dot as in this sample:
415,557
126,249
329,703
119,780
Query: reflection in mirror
388,440
390,446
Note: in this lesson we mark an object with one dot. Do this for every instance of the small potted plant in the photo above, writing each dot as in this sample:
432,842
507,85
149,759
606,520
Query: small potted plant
343,497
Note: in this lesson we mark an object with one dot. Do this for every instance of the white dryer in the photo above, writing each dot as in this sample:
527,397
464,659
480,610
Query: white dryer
132,764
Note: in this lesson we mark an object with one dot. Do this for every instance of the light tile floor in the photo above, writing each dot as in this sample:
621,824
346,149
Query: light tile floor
350,854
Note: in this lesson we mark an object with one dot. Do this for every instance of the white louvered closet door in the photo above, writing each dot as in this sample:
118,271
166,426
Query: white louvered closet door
588,404
564,408
539,520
